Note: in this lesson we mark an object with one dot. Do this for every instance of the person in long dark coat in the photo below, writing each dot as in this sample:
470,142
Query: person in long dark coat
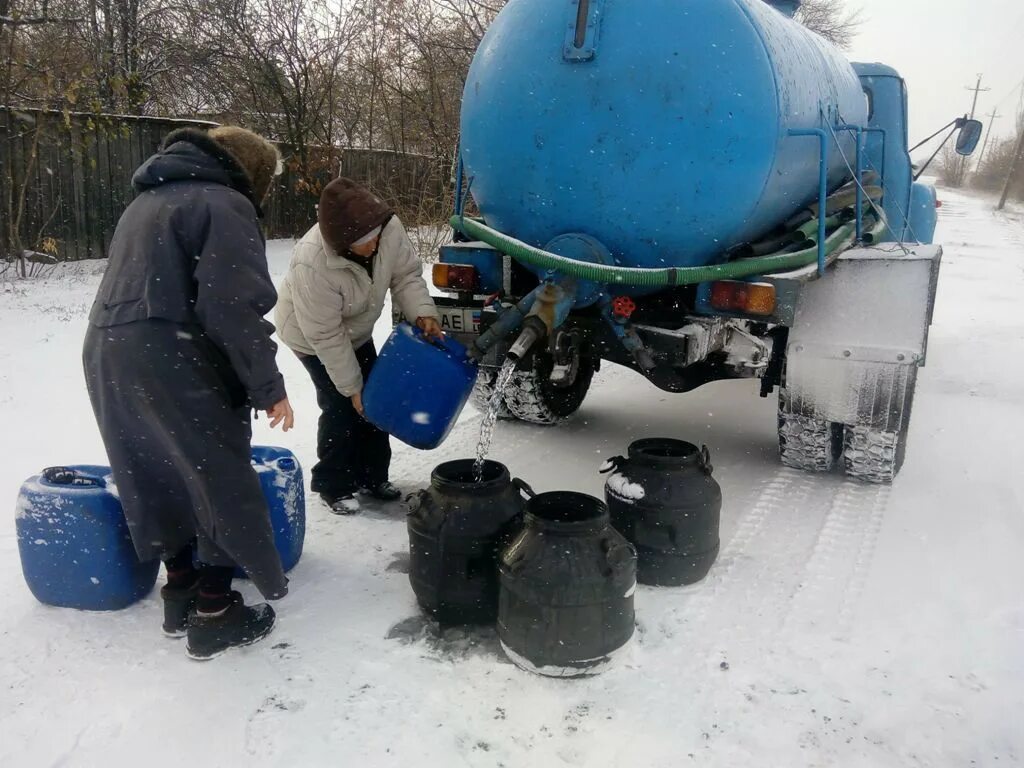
176,356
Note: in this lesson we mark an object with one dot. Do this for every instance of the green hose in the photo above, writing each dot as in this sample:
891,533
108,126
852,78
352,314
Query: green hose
649,278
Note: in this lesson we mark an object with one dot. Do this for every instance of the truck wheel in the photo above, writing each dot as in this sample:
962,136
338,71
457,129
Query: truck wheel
873,455
532,397
484,388
806,443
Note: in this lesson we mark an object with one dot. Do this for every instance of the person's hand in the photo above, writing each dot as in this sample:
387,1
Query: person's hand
357,403
281,412
430,327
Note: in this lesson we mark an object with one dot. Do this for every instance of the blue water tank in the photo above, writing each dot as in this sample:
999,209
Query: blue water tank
659,127
418,387
76,551
281,480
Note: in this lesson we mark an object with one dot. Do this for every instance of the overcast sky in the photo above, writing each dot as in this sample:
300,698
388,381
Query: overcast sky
940,46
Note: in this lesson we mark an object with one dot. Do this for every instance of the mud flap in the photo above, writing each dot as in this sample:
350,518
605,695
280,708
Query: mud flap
858,336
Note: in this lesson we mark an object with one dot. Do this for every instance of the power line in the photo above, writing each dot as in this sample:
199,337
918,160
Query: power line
1010,93
988,133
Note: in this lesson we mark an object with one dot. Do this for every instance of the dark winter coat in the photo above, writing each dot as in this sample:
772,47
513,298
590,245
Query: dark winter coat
177,351
189,249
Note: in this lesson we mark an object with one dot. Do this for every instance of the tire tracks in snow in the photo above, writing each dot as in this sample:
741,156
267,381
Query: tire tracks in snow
796,563
834,578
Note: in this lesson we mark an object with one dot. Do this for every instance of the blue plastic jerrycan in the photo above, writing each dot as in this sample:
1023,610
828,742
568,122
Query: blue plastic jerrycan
76,551
418,387
281,480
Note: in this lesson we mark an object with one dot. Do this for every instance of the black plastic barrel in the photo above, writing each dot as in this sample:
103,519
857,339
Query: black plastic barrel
663,499
457,528
567,584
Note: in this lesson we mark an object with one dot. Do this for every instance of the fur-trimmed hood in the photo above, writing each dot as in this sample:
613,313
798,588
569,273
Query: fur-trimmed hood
189,154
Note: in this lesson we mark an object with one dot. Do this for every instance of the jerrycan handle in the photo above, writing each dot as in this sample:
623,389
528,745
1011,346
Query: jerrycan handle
447,344
67,476
523,487
420,335
705,460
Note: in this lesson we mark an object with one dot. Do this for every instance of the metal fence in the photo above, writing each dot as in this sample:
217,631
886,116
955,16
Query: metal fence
65,179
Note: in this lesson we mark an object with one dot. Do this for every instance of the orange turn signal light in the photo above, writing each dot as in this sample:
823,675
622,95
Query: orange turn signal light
744,298
455,277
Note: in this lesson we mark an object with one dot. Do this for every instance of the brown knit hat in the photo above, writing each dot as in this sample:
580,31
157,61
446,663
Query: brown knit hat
347,212
257,156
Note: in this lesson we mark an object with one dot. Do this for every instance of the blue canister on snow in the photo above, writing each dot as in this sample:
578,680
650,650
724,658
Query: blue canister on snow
418,387
281,480
76,551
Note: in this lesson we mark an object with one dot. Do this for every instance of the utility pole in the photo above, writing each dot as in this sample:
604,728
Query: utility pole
962,164
988,133
977,89
1014,167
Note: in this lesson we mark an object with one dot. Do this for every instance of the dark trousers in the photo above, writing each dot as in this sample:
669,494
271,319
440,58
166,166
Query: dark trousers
352,453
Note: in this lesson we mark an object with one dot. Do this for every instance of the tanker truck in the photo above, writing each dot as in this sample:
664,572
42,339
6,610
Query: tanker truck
698,190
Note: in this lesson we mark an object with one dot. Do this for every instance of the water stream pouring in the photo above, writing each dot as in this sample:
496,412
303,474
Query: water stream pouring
490,418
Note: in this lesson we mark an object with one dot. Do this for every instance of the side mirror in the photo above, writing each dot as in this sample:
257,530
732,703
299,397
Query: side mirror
970,135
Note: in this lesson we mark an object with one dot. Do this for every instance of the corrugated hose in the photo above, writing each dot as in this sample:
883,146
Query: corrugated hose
662,276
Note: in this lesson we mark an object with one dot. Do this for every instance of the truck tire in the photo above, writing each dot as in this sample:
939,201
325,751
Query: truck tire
531,396
484,388
873,455
806,443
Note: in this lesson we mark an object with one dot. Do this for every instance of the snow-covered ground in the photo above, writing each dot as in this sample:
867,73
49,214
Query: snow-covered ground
843,625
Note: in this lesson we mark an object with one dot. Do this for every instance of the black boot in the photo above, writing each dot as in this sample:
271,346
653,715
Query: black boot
178,603
180,592
386,491
236,626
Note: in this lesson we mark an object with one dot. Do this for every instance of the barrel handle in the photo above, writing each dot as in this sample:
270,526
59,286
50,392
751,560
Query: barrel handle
414,501
705,460
523,487
66,476
619,555
611,464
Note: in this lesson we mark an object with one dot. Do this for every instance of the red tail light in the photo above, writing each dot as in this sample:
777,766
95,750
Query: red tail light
746,298
455,277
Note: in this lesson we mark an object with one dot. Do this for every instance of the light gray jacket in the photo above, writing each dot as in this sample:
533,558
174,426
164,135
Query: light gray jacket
328,305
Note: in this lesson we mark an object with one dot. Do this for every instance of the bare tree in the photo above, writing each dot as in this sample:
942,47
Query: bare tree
21,71
997,163
831,19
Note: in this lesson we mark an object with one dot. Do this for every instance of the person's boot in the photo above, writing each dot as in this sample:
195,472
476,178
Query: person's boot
341,505
180,592
236,626
385,491
178,604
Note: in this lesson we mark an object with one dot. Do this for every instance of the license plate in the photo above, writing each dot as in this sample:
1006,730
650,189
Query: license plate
459,320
